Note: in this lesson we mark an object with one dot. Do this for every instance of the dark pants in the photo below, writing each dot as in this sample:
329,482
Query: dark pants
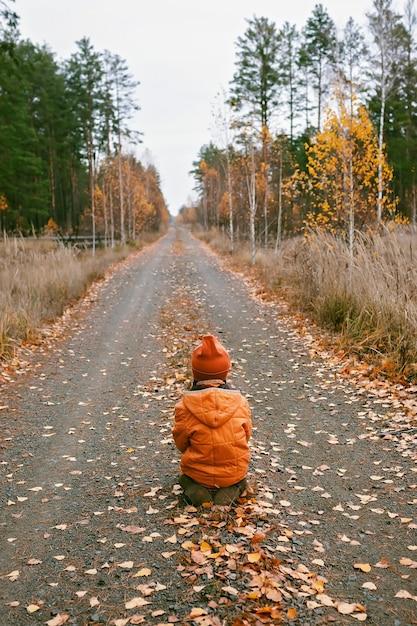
198,494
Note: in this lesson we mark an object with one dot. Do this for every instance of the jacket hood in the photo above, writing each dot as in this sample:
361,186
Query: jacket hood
213,407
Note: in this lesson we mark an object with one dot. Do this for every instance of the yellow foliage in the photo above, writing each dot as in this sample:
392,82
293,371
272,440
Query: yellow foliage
51,226
342,170
224,205
3,203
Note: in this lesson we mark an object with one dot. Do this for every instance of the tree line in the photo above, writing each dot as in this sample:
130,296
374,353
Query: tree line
67,144
317,128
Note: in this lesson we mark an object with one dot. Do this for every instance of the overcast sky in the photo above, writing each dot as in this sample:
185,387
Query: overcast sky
182,51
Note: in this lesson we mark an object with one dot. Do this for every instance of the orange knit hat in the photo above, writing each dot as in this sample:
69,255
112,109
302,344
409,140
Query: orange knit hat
210,360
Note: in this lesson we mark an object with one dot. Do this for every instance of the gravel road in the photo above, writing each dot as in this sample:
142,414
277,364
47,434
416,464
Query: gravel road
88,468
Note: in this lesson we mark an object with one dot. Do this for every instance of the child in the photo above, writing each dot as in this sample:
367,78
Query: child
212,430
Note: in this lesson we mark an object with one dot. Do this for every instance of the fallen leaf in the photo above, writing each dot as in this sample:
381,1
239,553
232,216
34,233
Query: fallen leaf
361,617
408,562
58,620
369,585
325,599
364,567
133,530
345,608
230,590
198,557
403,593
32,608
136,602
292,613
197,612
167,555
145,571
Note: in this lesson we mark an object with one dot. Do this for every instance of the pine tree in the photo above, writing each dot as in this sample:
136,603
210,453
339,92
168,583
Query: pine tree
255,85
289,41
9,21
122,89
23,171
319,52
85,74
406,166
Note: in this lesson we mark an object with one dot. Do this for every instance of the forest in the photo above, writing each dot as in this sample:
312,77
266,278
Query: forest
67,144
317,129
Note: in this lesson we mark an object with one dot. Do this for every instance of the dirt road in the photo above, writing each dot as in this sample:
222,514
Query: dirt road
88,467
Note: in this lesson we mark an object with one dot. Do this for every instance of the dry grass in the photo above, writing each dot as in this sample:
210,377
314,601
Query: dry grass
370,300
38,279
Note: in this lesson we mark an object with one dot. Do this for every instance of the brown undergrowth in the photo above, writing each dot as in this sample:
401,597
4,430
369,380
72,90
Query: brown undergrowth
39,279
30,320
367,305
238,564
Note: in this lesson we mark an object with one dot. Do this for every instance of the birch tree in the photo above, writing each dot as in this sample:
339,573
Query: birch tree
384,25
250,170
352,59
224,133
342,170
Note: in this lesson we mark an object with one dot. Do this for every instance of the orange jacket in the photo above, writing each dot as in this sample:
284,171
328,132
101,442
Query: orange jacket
212,430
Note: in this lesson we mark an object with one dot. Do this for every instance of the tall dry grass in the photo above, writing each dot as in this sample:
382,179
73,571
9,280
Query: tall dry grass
37,281
370,299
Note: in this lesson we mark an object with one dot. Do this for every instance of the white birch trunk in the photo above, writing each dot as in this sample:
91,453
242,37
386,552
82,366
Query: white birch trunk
230,199
111,215
380,157
279,222
251,184
121,198
105,215
92,186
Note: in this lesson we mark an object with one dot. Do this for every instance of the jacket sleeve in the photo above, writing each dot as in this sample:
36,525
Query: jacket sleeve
247,425
180,431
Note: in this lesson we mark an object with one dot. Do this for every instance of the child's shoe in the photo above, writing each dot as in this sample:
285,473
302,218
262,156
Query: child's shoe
193,492
227,495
